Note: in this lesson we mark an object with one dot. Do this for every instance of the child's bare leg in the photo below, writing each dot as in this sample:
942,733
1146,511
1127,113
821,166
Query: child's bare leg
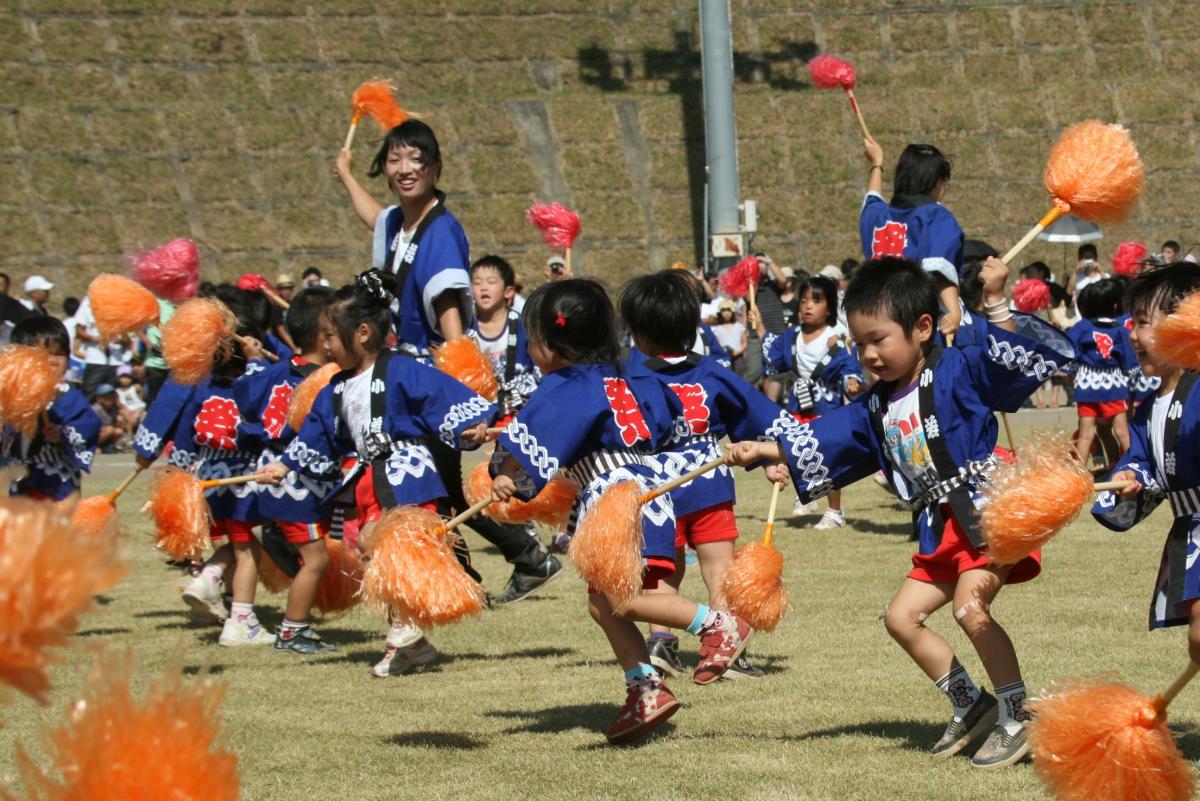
304,586
1083,444
245,574
623,635
905,618
835,501
973,598
670,586
715,560
1120,429
1194,632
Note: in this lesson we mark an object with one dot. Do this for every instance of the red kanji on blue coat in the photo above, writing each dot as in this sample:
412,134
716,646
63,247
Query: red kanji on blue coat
626,412
216,424
695,406
889,240
1104,344
274,416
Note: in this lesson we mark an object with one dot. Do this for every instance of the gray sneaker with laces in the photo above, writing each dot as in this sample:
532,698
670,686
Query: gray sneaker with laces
1001,748
960,733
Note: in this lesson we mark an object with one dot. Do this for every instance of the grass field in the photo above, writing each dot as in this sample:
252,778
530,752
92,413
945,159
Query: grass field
517,705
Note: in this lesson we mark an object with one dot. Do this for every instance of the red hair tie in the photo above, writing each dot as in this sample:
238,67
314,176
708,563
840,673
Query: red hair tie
560,320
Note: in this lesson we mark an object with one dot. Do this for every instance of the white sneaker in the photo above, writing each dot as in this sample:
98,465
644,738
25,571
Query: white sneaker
204,598
398,661
237,633
831,519
801,509
404,635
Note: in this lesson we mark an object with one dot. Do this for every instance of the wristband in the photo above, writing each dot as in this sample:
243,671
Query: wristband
876,167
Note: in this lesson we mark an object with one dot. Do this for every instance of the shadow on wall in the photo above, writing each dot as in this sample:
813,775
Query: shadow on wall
680,68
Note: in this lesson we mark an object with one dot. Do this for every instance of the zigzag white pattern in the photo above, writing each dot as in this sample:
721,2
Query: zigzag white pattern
546,465
308,458
413,461
458,414
1021,359
1091,378
78,444
147,440
808,460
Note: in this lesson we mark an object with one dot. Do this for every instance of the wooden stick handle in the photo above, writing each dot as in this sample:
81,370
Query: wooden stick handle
273,296
769,530
124,485
1164,698
858,113
350,133
225,482
494,431
1012,443
1101,486
475,509
241,340
1042,225
676,483
567,259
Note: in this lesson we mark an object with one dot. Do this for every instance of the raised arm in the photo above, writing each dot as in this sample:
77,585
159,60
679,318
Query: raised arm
365,205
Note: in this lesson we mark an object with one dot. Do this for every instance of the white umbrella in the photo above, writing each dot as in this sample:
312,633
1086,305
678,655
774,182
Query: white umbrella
1071,229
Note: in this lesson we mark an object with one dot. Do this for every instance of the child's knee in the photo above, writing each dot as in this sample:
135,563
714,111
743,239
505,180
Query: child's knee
903,622
974,617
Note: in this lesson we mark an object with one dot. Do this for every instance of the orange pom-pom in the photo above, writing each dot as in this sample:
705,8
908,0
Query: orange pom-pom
339,587
551,506
1102,739
463,359
93,515
413,570
377,100
48,577
753,586
28,385
306,393
120,306
114,746
198,334
1094,172
1031,500
607,546
1176,337
270,576
181,515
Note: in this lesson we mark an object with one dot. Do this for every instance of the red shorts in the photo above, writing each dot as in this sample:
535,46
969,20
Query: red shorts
238,531
657,568
714,524
805,418
956,555
300,533
1101,409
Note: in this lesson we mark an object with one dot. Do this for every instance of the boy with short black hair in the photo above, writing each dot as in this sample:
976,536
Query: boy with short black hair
498,329
928,423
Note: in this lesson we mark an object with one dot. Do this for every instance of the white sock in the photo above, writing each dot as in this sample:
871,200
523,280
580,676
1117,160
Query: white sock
1013,714
244,613
212,573
961,691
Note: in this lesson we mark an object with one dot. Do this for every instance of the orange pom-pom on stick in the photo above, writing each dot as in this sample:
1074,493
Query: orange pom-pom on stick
413,570
551,506
120,306
28,385
1032,499
306,393
462,359
198,334
93,515
607,546
377,100
1093,172
340,586
170,271
753,586
48,577
1102,739
1176,336
113,746
181,515
829,72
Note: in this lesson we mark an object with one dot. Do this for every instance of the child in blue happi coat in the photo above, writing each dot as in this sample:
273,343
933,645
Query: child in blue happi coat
1102,381
63,447
498,329
1163,459
929,423
597,426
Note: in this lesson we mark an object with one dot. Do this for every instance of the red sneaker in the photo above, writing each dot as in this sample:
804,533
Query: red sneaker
719,648
648,704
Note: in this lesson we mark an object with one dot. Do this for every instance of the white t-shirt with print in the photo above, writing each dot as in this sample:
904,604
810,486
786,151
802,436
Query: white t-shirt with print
904,434
1158,432
356,408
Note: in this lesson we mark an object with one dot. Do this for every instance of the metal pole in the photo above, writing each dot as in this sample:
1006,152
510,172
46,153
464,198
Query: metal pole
716,54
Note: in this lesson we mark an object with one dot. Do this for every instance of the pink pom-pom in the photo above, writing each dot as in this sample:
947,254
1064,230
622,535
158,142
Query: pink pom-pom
1127,258
558,224
1031,295
171,271
252,282
829,72
736,281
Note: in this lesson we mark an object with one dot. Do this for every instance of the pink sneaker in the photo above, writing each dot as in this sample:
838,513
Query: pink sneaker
648,705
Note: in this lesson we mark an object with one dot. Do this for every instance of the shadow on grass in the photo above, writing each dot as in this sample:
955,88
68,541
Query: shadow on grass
209,670
101,632
102,600
370,657
871,527
1188,739
449,741
913,734
162,613
592,717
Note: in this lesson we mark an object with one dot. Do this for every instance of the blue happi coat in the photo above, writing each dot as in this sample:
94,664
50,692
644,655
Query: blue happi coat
916,228
212,440
707,402
1141,386
597,428
1102,372
439,264
56,469
516,388
410,403
158,426
265,395
707,344
958,391
1177,481
823,389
